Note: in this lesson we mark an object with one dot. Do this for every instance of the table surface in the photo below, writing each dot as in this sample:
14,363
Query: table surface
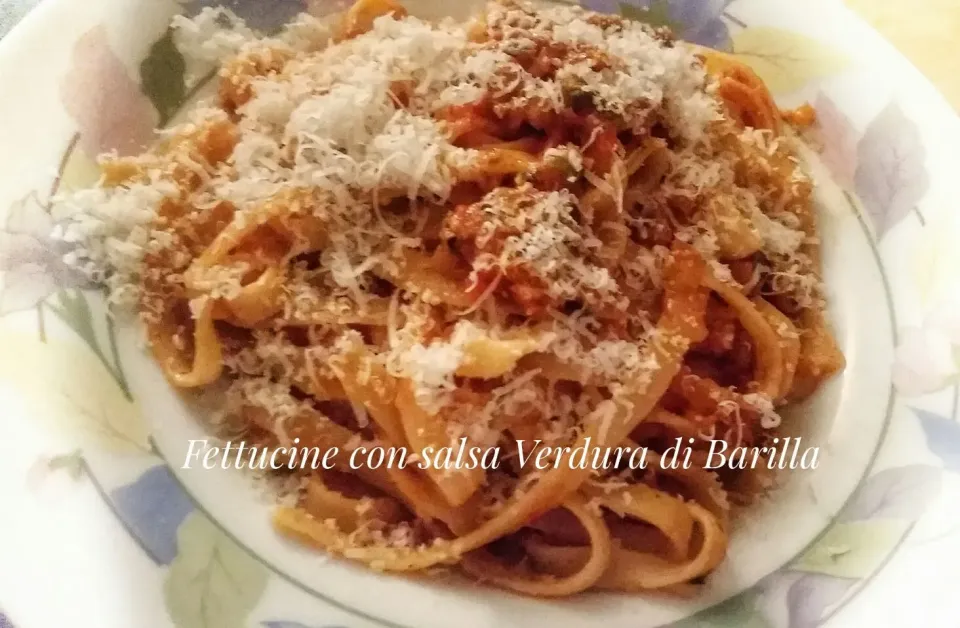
926,31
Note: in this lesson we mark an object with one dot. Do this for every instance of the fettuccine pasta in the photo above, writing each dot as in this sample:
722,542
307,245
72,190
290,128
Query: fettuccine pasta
544,225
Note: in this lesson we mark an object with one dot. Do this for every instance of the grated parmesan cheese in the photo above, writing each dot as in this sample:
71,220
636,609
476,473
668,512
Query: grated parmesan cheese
338,158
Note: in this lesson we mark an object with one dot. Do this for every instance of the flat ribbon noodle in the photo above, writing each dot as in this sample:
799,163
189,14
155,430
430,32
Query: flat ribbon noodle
633,571
638,501
326,535
384,268
321,501
680,324
747,98
770,370
425,431
580,578
789,339
368,385
206,364
488,358
699,484
414,273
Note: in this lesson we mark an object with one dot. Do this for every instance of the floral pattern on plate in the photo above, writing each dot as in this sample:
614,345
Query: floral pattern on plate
209,580
700,21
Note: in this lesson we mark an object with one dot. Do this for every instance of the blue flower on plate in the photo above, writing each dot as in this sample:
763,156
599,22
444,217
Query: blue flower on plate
943,437
153,507
263,15
697,21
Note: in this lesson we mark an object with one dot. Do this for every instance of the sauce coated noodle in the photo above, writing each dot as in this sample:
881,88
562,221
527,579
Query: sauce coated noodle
570,283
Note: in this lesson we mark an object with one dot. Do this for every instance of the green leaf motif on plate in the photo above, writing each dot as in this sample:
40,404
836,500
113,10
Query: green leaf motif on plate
79,172
73,309
657,14
68,387
854,549
213,582
162,77
786,61
72,463
737,612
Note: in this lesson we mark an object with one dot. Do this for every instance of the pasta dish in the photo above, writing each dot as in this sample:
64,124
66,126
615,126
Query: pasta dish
543,226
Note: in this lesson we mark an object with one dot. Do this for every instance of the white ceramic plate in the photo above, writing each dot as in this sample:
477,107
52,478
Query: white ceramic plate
136,541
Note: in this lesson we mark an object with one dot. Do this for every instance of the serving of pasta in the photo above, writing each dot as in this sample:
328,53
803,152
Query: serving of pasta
543,225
